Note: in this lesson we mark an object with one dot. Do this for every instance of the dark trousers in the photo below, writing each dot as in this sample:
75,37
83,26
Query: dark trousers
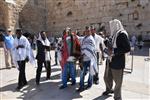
22,77
69,68
56,56
86,65
97,54
96,76
115,75
39,70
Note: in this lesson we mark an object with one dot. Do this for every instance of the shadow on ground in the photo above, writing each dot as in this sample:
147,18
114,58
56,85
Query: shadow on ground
47,90
102,97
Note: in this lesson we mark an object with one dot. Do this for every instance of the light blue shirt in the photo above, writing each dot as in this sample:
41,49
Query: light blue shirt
9,40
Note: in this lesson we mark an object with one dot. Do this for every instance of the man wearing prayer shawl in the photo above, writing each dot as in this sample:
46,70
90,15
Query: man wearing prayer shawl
68,57
89,59
21,54
116,64
99,51
43,56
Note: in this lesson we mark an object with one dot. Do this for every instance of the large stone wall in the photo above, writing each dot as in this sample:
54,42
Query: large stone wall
3,15
26,14
54,15
32,17
134,14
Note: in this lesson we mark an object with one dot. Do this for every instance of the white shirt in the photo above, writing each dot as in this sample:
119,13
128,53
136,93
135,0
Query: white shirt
21,53
80,38
98,40
133,39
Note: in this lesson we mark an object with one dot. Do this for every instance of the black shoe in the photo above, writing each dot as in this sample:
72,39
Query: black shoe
55,64
25,84
119,98
13,66
18,88
108,92
8,68
80,89
47,78
96,79
37,83
73,83
96,82
88,86
62,87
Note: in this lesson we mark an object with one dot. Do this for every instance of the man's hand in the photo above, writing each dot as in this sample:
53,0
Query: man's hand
20,46
103,58
48,48
5,50
27,59
109,51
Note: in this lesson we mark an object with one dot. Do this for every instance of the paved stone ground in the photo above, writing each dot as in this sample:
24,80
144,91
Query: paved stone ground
136,86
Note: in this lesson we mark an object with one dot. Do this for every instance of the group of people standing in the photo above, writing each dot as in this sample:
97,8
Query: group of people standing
86,49
20,51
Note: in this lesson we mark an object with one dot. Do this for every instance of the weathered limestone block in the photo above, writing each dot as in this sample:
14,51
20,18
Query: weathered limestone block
54,15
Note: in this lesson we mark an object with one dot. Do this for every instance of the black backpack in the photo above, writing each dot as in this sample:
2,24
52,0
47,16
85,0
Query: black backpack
1,37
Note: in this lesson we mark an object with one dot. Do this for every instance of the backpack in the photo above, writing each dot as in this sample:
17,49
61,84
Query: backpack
1,37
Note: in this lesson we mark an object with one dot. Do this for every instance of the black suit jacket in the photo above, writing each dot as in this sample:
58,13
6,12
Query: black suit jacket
40,51
123,46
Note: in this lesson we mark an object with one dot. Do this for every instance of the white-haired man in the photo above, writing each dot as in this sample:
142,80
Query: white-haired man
116,64
8,44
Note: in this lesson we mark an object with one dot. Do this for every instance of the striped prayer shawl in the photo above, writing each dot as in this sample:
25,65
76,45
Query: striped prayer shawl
88,48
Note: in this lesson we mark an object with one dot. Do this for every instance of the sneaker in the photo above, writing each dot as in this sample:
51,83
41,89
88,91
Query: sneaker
108,92
62,87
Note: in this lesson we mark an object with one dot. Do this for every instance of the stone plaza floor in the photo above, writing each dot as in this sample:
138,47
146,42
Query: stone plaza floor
136,85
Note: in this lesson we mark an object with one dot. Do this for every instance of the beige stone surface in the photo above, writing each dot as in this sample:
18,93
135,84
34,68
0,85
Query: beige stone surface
3,15
136,86
54,15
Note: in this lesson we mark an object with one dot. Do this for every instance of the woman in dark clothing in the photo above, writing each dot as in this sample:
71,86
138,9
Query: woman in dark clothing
43,56
116,60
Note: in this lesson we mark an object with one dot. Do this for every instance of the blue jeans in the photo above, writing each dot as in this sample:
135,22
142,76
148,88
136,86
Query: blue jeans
68,67
86,65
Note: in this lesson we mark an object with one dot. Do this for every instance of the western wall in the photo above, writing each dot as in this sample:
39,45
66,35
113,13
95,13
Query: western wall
54,15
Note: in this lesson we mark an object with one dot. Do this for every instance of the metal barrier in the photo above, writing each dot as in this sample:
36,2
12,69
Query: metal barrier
127,69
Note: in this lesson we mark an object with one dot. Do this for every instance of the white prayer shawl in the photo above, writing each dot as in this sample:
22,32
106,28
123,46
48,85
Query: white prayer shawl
115,28
98,40
22,53
59,49
45,43
88,49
